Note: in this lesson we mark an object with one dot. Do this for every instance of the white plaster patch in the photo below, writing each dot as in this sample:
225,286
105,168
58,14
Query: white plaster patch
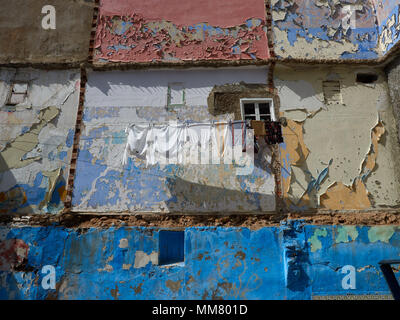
142,259
123,243
298,94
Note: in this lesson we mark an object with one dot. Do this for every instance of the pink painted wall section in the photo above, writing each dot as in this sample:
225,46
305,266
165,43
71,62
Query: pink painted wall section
174,30
221,13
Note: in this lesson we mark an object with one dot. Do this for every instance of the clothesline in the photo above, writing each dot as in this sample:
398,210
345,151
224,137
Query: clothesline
154,141
188,123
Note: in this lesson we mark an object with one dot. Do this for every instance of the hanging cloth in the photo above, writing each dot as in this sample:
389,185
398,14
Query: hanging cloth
273,132
184,143
136,142
259,127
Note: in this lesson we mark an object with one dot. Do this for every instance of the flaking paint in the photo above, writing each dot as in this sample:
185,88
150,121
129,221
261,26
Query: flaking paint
36,140
132,31
344,160
220,263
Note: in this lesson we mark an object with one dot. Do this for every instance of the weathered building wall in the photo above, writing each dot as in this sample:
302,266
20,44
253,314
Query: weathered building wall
324,29
341,148
388,18
116,99
292,261
23,40
393,75
150,31
36,139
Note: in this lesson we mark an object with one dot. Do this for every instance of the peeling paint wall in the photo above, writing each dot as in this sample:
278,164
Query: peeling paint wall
324,29
393,75
116,99
23,40
290,261
340,149
388,16
36,139
149,31
337,155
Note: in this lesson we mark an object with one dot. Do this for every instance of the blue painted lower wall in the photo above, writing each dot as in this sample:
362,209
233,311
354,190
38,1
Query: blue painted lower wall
290,261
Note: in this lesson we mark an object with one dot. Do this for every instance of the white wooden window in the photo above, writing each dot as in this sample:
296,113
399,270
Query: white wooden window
257,109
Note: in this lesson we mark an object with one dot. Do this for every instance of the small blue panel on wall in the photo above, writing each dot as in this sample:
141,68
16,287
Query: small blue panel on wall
171,247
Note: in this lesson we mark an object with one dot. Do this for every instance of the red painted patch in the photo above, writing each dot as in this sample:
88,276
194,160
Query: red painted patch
219,13
146,31
12,253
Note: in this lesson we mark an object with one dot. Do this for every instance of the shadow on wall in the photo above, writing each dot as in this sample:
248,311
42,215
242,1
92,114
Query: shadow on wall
28,199
14,198
212,199
237,197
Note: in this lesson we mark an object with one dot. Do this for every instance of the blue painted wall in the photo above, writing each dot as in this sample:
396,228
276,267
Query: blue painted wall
330,30
389,24
292,261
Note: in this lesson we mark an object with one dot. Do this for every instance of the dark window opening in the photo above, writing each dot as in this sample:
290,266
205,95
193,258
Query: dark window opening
249,108
366,77
264,108
171,247
256,110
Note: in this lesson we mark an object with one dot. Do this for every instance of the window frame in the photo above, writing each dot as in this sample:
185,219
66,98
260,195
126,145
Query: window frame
169,95
256,102
10,93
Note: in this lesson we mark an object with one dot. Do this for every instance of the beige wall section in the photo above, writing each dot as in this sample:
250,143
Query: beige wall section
337,155
23,40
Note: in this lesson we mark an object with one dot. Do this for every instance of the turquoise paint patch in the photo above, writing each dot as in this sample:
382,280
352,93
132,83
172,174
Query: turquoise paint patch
346,234
314,241
381,233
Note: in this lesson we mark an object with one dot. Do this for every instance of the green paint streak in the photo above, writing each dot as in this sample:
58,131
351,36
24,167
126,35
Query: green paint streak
315,242
344,232
381,233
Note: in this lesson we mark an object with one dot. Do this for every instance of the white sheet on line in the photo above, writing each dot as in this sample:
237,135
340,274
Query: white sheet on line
184,143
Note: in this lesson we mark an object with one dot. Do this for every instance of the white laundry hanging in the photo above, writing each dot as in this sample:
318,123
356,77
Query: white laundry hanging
183,143
137,142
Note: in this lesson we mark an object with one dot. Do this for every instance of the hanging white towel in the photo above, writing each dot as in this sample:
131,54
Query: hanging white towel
168,143
219,138
178,143
136,142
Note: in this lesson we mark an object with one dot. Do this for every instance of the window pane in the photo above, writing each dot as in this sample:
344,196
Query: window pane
266,117
250,118
249,108
264,108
